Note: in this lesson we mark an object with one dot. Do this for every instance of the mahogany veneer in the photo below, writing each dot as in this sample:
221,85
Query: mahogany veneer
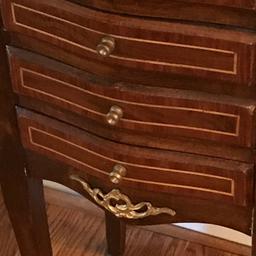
155,170
187,50
149,115
235,13
146,109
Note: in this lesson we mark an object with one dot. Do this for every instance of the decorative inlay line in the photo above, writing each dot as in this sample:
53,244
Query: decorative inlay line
30,88
32,142
233,71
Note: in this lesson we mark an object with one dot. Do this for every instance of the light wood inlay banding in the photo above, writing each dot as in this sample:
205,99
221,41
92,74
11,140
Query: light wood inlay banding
214,113
52,150
232,71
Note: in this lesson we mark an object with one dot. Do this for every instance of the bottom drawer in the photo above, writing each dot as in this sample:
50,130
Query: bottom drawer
123,166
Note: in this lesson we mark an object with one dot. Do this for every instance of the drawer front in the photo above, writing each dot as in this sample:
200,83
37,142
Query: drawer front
145,110
136,44
146,169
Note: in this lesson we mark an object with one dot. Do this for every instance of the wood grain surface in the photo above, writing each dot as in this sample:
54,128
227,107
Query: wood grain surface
180,113
154,170
221,12
152,52
76,232
144,45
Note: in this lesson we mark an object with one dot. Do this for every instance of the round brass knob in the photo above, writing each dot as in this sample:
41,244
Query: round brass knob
117,173
114,115
106,46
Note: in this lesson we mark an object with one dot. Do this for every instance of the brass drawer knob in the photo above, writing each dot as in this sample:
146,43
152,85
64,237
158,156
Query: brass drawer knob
114,115
106,46
117,173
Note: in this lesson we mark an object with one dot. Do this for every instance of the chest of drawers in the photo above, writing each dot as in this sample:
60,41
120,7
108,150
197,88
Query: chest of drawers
148,110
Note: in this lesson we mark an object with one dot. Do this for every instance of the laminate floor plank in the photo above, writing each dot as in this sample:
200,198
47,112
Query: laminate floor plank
76,233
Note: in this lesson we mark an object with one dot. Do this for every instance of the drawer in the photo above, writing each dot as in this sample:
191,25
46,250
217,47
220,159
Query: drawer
139,109
136,167
117,43
42,167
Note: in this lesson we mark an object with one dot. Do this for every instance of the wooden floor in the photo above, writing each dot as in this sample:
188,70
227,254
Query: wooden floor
77,232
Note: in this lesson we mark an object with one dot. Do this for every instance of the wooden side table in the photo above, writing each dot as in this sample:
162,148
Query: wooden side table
151,119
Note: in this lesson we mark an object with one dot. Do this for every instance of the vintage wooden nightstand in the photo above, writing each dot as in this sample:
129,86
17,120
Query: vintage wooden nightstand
147,108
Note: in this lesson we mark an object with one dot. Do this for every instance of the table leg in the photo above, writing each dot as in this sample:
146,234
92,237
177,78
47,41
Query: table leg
115,233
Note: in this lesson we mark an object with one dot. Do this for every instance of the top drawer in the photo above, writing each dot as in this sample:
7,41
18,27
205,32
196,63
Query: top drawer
135,44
